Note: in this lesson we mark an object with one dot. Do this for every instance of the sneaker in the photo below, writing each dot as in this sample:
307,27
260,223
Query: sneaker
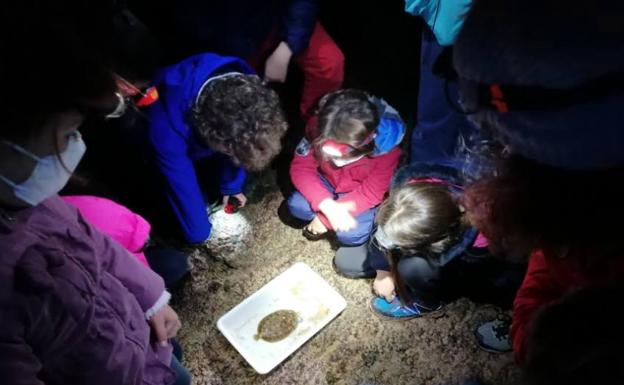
493,336
396,310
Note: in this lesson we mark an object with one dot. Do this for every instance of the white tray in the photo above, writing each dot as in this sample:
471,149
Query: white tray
299,289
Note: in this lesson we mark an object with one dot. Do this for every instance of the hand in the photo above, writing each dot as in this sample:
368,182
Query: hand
338,214
241,198
276,66
383,285
317,227
165,324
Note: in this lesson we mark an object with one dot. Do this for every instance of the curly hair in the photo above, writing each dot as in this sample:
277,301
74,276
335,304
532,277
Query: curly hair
239,116
347,116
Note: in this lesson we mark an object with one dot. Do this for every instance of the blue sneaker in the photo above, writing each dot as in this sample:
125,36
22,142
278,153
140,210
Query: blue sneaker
396,310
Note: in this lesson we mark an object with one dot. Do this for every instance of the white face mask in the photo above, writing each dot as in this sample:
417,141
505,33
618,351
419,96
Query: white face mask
341,162
49,175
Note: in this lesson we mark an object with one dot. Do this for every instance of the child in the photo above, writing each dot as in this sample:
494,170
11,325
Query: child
422,239
214,114
343,175
553,194
132,232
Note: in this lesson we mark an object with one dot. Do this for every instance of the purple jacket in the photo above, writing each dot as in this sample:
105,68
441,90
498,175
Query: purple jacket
73,303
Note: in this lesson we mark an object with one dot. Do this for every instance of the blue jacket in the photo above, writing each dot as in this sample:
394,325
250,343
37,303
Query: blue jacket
239,28
428,170
175,147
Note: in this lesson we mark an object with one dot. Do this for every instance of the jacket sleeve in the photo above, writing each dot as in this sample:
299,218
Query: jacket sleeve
538,289
305,176
298,24
146,286
232,178
373,190
178,176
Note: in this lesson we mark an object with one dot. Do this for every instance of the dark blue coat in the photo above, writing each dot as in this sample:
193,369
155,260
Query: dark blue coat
239,28
175,147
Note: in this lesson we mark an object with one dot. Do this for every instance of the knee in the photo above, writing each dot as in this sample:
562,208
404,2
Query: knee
418,272
332,60
326,63
335,61
354,237
300,207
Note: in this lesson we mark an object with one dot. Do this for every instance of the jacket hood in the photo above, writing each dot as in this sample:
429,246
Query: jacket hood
391,129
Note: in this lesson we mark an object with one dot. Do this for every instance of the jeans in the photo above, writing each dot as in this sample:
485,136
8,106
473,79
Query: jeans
183,377
439,127
300,208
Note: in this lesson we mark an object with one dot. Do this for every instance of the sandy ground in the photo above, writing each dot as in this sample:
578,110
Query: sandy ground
356,348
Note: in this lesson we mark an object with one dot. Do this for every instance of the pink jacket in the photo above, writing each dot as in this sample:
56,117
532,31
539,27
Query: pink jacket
130,230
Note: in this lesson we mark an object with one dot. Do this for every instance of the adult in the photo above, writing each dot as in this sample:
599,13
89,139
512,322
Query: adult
548,85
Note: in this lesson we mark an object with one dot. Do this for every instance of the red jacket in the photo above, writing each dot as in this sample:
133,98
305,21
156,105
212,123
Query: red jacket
547,280
364,182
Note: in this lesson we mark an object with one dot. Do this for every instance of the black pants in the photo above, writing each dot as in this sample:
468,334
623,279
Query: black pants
170,264
479,277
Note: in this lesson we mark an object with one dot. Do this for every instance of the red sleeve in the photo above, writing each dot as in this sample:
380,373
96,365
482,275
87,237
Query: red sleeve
305,175
538,289
373,190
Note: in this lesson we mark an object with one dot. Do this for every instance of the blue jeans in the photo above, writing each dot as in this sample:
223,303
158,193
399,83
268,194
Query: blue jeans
183,377
439,128
300,208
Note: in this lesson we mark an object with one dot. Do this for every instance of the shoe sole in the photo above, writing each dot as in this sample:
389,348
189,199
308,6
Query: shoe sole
487,349
435,314
310,236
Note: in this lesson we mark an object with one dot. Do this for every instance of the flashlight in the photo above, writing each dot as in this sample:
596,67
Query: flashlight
232,206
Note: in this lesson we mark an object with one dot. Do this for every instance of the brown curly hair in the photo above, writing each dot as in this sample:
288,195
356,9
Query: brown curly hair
241,117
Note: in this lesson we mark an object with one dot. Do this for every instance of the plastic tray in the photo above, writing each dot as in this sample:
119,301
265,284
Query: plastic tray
299,289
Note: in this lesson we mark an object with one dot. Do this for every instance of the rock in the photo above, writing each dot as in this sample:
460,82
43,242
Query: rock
230,233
